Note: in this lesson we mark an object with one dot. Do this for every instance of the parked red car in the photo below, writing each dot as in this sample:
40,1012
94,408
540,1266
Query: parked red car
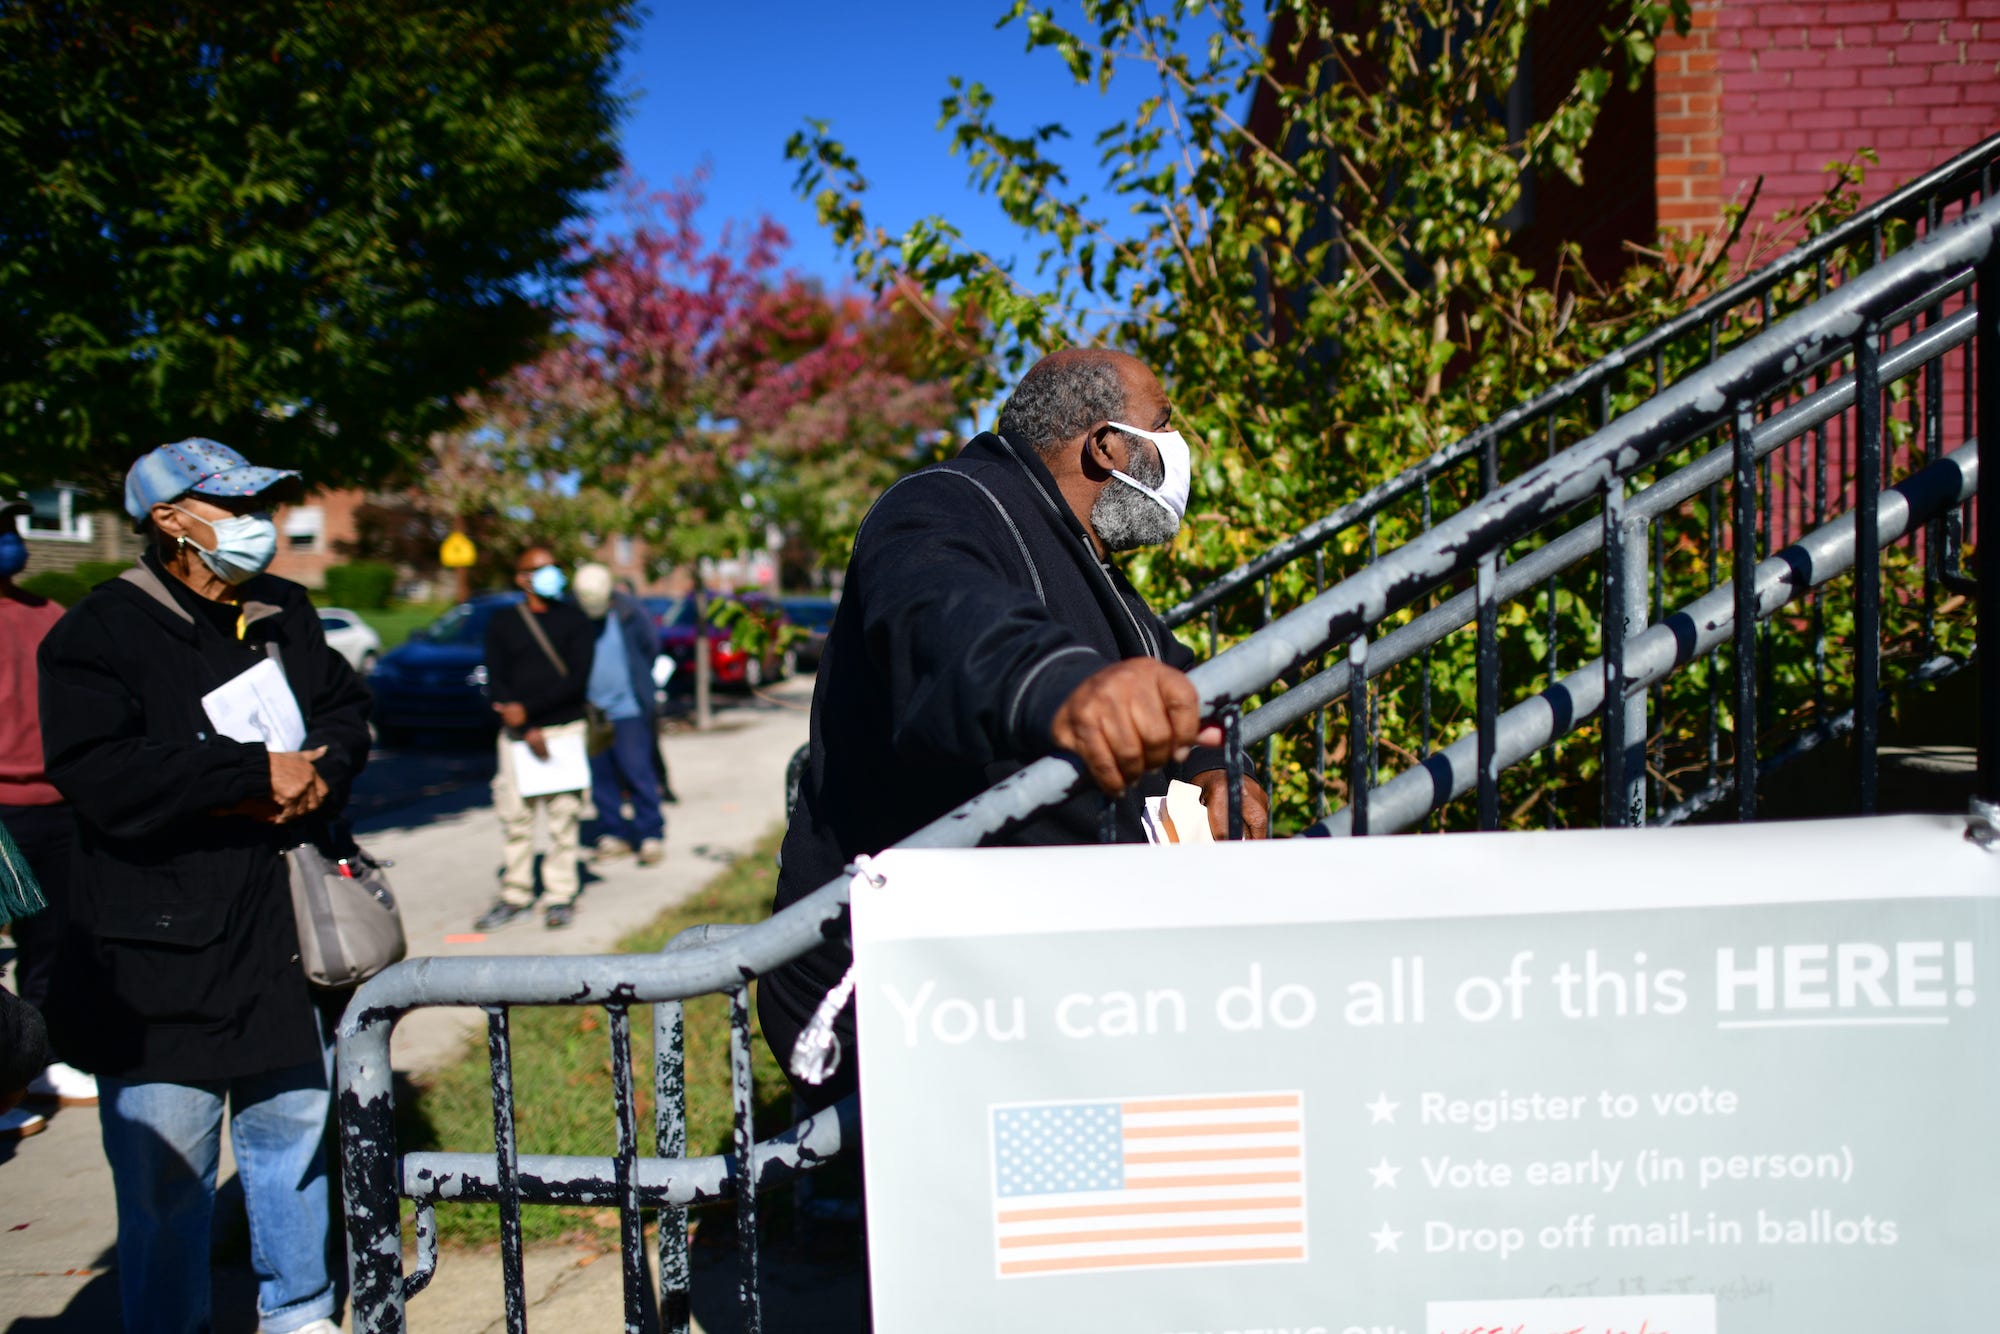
730,664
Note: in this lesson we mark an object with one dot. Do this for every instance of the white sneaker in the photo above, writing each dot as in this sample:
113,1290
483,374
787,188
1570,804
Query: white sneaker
66,1085
21,1123
652,852
611,846
316,1327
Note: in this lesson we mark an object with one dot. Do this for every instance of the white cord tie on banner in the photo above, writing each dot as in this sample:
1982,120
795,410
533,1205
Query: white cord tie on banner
816,1055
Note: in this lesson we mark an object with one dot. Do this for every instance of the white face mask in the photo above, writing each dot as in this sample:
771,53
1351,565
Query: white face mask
1172,495
245,545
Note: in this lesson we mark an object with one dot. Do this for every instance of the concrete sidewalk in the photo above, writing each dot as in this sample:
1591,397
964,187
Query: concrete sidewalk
57,1219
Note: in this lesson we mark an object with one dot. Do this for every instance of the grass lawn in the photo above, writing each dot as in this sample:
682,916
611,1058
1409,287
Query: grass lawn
395,623
562,1072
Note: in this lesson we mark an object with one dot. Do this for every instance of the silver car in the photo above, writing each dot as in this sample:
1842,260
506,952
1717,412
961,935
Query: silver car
351,637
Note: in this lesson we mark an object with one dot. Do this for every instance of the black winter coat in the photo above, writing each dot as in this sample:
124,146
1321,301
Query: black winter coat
520,671
180,957
974,605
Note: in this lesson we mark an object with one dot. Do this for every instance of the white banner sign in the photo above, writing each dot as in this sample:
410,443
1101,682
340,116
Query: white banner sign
1735,1079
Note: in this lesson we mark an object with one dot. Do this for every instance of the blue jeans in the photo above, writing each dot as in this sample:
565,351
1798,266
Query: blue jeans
163,1141
628,767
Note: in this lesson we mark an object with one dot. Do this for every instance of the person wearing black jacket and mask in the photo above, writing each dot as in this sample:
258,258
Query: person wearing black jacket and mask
982,627
179,983
538,659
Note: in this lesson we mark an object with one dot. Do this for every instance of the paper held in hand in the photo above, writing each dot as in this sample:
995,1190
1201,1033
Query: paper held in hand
567,769
257,706
1178,817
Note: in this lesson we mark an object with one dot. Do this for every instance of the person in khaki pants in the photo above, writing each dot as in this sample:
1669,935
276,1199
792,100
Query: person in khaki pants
538,657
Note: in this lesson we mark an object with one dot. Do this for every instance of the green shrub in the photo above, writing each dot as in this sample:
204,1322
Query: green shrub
62,587
361,586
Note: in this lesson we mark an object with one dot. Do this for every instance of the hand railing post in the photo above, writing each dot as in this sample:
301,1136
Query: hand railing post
507,1162
1638,722
625,1170
368,1168
670,1135
1617,597
1488,703
1360,756
1986,350
743,1145
1867,563
1232,761
1743,536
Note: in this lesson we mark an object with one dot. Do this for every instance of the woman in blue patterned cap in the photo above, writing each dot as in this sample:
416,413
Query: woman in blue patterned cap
179,983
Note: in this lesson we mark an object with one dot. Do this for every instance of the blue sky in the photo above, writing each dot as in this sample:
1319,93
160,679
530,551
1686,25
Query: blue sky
724,85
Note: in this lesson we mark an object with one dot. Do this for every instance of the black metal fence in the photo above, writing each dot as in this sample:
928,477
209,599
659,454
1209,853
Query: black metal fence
1606,504
1677,539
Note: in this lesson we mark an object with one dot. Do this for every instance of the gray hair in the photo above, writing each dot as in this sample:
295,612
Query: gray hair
1059,398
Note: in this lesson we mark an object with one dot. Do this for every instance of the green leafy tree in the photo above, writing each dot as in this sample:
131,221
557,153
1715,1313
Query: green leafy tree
1307,230
1307,236
699,396
1331,296
302,228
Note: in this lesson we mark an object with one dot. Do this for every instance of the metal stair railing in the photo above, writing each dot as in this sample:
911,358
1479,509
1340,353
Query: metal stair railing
1254,592
1961,260
1922,203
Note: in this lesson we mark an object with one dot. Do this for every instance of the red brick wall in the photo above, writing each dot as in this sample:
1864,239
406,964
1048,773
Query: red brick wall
308,564
1800,84
1687,121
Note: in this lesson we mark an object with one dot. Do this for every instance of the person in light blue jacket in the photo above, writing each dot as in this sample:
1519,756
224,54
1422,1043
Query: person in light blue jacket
621,690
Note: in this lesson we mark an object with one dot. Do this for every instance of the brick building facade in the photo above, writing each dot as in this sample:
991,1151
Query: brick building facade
1756,88
66,529
1778,90
317,532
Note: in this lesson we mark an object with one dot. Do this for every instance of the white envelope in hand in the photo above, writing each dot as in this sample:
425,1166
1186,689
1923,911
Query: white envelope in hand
257,706
567,769
1179,817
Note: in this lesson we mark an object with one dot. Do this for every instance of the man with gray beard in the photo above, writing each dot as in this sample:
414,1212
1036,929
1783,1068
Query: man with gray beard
982,627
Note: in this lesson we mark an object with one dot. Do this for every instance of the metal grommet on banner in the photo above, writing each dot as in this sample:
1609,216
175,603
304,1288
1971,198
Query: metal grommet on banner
816,1054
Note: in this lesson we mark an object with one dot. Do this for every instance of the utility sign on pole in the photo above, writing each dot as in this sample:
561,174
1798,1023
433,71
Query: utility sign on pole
1732,1080
458,553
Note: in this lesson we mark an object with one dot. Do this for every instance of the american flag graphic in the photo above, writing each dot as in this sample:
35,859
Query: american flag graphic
1215,1179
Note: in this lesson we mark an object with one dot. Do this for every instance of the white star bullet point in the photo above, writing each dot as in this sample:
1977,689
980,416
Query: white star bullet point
1381,1110
1384,1174
1385,1239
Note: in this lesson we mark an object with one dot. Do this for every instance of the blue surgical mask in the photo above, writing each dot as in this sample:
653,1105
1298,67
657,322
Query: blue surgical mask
548,581
244,546
13,553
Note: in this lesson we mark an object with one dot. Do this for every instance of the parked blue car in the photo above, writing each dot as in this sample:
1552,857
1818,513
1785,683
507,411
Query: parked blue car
437,678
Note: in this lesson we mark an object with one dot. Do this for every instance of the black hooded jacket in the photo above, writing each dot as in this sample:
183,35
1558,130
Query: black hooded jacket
179,961
974,605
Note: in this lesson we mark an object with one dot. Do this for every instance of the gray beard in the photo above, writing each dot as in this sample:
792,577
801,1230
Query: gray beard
1126,518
